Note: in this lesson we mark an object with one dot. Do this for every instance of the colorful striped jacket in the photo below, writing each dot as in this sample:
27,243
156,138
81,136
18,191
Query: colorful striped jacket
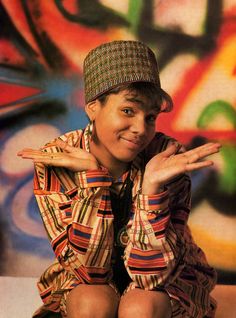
77,215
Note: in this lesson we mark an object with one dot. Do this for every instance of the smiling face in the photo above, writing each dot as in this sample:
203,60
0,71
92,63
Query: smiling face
124,125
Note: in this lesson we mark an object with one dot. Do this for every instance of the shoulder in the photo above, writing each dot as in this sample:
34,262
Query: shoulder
72,138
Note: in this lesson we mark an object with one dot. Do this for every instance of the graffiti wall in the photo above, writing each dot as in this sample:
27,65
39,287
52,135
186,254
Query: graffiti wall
42,47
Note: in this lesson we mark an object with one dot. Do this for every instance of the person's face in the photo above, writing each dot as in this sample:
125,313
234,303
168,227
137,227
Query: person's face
124,125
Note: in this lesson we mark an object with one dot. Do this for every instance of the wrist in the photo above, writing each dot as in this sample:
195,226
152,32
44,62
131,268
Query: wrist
149,188
94,166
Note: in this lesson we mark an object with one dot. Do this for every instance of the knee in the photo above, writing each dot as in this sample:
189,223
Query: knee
91,302
78,305
142,304
135,309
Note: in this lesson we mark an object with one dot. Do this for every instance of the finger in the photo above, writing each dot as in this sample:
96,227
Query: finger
77,152
64,146
171,150
82,165
28,153
51,161
25,150
58,159
202,148
199,154
61,144
37,154
199,165
34,154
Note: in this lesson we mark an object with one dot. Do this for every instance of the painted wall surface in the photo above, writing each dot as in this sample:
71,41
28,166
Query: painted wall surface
42,47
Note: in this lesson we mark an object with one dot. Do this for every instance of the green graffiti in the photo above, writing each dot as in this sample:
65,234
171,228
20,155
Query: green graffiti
215,108
100,16
93,15
134,14
227,180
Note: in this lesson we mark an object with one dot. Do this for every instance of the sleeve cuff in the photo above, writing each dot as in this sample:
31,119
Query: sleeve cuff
94,178
154,203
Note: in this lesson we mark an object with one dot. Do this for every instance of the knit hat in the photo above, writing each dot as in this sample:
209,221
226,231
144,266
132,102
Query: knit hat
119,62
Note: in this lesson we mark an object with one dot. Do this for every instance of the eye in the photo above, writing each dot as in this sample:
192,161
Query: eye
128,111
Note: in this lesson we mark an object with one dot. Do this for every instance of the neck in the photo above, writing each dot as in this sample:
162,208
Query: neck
115,167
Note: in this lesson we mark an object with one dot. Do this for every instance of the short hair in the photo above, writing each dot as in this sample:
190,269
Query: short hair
146,89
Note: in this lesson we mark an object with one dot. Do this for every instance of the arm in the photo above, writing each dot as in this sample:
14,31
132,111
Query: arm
76,223
156,251
73,210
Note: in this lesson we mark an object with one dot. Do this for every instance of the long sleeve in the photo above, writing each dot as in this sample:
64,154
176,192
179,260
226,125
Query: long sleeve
156,251
77,219
161,253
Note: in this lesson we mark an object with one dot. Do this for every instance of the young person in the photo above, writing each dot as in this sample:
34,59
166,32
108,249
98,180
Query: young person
115,200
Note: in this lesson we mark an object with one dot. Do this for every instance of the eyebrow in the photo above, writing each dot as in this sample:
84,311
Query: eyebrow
134,100
142,104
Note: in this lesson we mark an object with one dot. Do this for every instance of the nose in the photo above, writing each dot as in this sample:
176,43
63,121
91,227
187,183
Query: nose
138,126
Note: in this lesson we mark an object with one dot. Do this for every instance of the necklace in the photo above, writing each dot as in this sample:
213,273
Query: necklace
121,205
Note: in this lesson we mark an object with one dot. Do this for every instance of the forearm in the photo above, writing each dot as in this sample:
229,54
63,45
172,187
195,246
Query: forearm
155,249
73,219
149,188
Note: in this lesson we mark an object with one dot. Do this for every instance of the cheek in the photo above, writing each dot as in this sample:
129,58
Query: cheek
110,125
105,128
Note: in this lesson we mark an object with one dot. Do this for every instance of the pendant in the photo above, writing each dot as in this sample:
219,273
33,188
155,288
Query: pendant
122,237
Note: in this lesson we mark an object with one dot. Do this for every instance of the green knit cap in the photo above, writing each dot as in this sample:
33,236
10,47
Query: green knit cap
119,62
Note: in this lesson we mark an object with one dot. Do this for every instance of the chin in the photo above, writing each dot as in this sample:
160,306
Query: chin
126,158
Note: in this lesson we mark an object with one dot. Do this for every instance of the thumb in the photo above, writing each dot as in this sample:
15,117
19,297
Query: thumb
64,146
170,151
77,152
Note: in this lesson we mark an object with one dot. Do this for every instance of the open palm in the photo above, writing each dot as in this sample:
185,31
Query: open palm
166,165
73,158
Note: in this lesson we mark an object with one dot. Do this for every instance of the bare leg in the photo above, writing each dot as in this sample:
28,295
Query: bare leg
139,303
95,301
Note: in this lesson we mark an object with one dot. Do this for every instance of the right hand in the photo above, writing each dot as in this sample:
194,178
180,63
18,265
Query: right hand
72,158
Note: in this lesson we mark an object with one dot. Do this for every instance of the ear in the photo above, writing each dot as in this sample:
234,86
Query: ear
92,108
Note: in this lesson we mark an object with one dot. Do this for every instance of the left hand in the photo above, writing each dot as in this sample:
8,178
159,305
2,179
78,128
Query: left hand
166,165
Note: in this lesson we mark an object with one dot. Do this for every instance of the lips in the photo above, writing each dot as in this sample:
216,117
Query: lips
133,143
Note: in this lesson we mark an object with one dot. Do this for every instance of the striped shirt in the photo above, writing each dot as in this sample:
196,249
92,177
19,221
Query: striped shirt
160,252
